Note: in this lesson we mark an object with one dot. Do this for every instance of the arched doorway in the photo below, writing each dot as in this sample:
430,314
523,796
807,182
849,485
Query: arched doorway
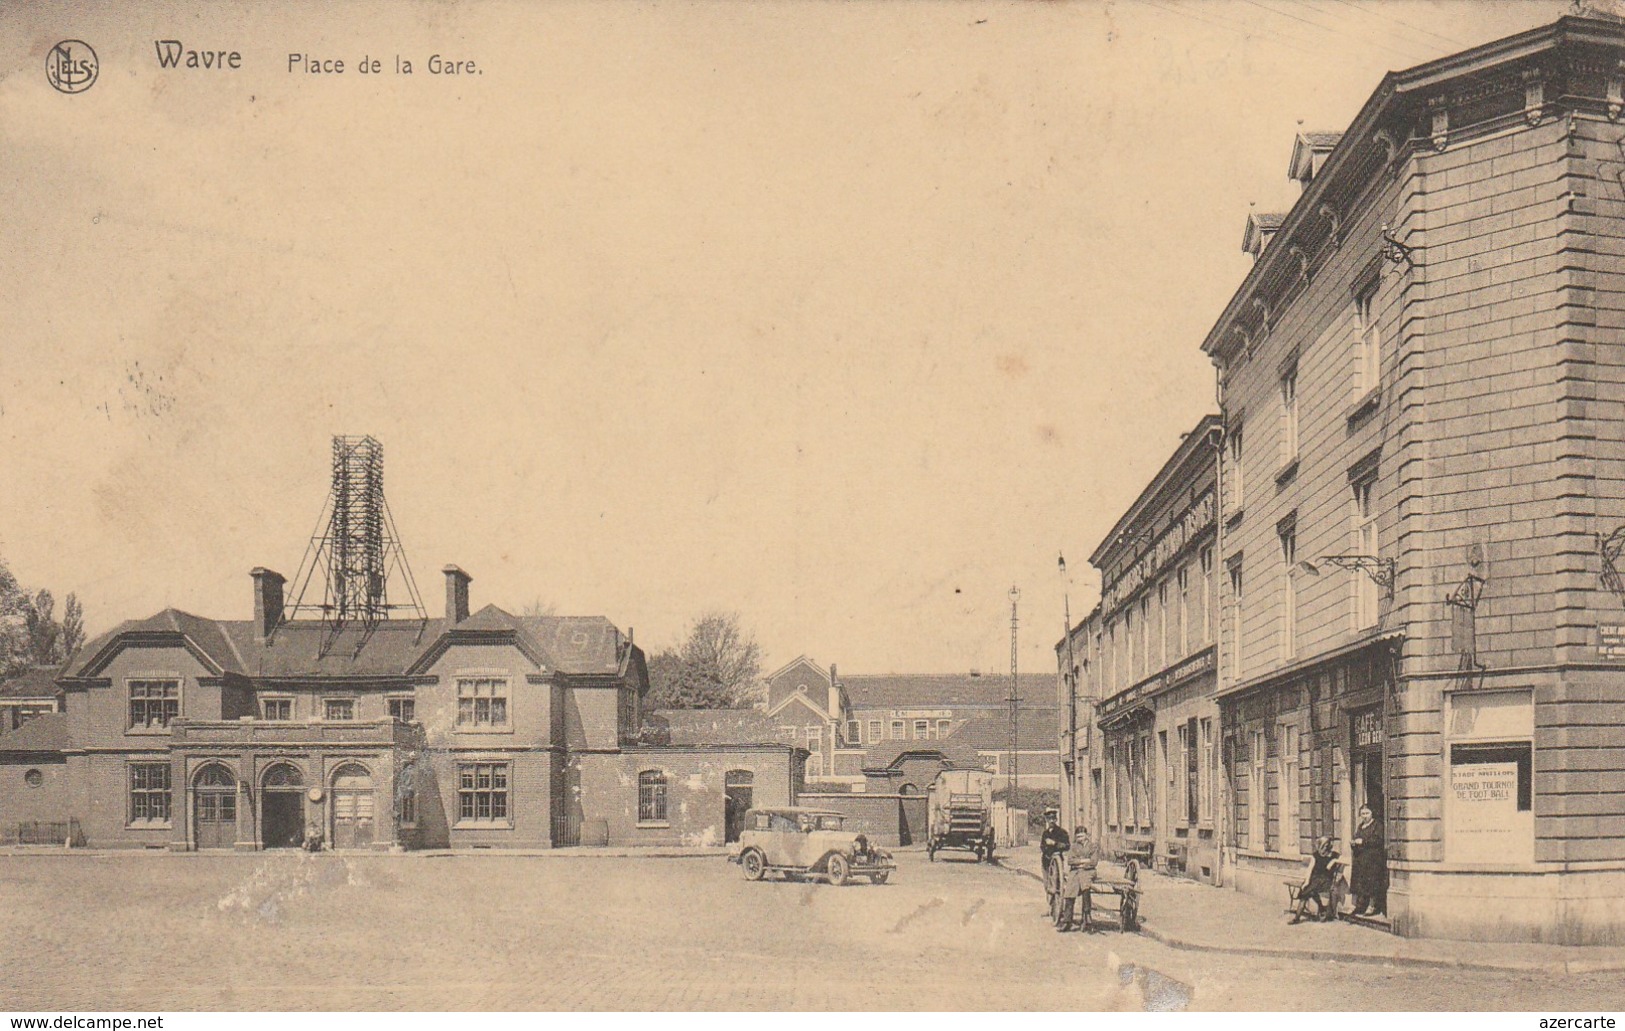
738,789
282,807
214,807
352,806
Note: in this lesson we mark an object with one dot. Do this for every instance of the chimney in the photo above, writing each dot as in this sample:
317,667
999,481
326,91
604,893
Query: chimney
834,694
457,583
267,601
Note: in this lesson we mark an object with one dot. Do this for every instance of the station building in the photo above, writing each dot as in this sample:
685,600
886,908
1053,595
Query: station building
476,730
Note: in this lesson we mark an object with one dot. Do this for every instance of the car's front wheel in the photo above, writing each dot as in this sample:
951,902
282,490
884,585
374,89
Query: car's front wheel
753,864
837,870
880,878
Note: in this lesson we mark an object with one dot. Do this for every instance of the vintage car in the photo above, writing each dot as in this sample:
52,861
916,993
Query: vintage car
796,842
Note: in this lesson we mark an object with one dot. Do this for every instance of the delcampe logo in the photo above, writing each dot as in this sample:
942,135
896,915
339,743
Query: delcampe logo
71,66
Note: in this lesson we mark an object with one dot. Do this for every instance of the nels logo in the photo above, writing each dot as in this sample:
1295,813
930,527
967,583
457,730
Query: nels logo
71,66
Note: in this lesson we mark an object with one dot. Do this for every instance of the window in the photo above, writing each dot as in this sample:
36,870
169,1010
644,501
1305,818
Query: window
1204,764
1365,543
1289,414
922,729
943,727
1258,797
876,731
406,796
34,778
1128,645
149,793
1162,624
852,732
276,708
1145,635
651,797
153,703
1287,767
626,713
339,709
1238,483
1489,801
1207,595
1367,352
1288,533
815,739
897,730
1184,631
787,735
1236,596
482,792
482,702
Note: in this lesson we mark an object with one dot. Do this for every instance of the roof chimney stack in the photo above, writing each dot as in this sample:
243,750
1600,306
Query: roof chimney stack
457,583
267,601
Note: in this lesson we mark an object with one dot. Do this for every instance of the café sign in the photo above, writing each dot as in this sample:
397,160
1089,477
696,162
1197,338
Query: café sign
1196,519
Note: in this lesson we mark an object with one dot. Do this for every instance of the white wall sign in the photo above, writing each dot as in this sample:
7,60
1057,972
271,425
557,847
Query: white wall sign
1485,825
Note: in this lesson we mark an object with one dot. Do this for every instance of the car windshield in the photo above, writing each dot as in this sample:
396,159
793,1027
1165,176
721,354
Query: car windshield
829,823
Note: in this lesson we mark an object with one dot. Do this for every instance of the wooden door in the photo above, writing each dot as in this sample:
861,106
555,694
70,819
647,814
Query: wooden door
353,810
214,808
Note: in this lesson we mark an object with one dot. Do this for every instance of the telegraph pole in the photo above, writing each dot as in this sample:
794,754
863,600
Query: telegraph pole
1013,767
1071,694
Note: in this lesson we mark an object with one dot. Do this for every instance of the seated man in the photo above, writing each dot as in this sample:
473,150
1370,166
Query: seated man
1319,885
1081,861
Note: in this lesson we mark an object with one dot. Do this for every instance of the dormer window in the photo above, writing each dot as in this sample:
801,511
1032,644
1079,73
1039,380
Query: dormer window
1261,228
1309,153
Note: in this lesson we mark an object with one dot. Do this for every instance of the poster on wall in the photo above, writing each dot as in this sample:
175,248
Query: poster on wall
1484,819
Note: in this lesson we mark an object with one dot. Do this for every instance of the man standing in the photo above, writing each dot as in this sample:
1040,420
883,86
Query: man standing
1051,847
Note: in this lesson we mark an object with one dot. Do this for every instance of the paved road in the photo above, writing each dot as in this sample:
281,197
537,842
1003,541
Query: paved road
292,931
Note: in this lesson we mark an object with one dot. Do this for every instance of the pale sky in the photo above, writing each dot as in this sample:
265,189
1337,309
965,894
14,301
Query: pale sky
844,316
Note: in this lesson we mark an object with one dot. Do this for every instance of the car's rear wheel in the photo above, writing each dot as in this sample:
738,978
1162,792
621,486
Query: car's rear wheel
837,870
753,864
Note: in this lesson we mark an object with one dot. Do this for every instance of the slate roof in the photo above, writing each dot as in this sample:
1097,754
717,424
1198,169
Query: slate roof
1269,221
48,733
308,648
942,690
1036,730
714,726
1321,140
37,682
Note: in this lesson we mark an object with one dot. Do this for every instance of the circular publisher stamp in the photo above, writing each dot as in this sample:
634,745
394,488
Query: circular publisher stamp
71,66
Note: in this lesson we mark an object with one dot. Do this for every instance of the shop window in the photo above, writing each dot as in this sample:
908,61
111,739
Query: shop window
651,797
153,703
338,709
1204,776
482,792
482,702
1489,803
149,793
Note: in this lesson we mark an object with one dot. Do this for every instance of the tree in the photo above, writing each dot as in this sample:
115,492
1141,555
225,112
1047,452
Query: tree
30,633
716,667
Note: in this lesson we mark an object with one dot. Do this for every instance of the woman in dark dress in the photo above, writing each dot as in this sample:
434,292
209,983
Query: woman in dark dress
1369,884
1322,872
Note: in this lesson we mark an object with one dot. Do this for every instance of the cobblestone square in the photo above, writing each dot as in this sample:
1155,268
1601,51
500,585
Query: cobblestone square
475,932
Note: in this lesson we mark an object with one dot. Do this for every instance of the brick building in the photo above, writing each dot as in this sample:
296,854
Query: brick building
31,692
478,729
1422,502
1144,772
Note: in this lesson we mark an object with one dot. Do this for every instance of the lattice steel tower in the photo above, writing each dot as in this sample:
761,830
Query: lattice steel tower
355,546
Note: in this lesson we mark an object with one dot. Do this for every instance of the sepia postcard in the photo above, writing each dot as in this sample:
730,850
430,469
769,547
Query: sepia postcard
893,508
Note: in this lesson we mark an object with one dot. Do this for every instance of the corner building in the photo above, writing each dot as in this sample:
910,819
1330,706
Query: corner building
1422,510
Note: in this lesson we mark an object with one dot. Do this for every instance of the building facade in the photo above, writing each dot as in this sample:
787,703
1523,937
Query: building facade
1421,511
1144,766
478,730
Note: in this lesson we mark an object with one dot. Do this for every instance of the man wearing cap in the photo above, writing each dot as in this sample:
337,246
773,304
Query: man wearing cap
1051,846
